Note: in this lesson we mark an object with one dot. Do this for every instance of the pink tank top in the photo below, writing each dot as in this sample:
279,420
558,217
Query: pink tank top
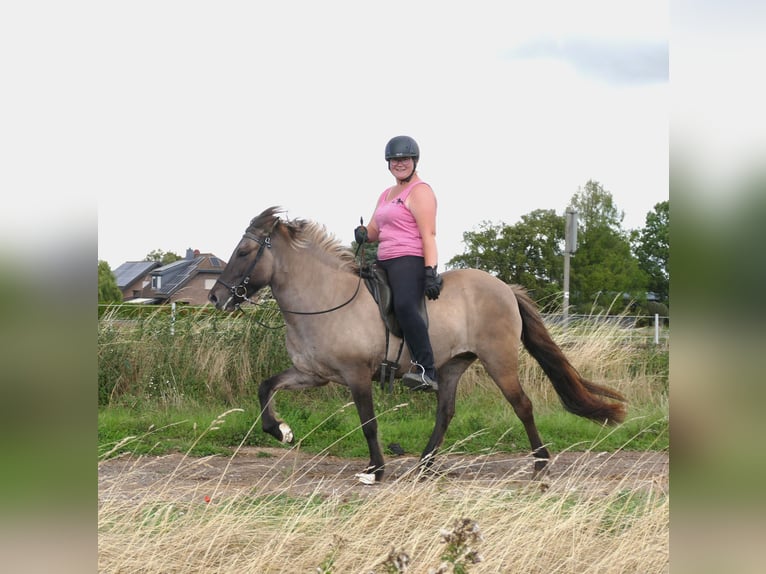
398,231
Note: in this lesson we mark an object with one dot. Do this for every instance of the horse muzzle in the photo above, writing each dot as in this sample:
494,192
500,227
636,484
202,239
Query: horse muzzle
223,300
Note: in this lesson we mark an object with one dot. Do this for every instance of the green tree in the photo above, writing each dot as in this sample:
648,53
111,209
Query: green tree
164,257
651,244
603,268
528,253
536,250
108,292
484,250
596,208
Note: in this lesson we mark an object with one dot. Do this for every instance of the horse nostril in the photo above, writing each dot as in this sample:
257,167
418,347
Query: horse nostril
213,299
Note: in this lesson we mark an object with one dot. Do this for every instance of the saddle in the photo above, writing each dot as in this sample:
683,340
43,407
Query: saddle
376,280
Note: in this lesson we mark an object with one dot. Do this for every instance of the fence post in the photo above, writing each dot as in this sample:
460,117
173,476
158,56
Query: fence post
656,328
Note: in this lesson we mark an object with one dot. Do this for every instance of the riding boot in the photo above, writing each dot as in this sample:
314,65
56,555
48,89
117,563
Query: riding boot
424,378
421,381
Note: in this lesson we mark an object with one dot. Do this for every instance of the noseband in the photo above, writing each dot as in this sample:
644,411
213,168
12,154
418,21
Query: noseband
240,291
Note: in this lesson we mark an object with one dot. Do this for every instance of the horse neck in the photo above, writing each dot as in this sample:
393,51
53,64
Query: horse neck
308,278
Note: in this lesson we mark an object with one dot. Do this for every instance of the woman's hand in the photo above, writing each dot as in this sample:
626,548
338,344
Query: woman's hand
360,234
433,283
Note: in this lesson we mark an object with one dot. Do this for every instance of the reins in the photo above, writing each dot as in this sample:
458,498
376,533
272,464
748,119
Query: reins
356,292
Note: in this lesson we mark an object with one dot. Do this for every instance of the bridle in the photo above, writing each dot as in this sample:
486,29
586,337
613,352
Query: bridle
240,291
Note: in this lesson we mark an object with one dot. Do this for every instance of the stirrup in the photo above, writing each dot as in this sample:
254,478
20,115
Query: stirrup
419,381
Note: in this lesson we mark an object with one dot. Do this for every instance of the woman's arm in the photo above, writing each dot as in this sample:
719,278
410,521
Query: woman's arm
422,204
372,229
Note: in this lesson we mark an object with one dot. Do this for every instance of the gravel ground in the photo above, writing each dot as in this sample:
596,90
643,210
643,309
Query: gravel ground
258,470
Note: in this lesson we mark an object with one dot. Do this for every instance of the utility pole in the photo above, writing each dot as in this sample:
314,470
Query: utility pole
570,246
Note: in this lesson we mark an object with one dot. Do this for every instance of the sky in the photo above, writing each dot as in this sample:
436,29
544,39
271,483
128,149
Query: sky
190,118
218,112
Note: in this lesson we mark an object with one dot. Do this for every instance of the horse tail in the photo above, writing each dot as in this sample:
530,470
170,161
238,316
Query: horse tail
578,395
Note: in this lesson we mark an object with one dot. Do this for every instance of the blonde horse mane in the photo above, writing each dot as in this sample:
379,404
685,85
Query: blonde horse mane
304,234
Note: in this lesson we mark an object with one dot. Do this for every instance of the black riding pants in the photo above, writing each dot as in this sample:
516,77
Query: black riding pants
406,276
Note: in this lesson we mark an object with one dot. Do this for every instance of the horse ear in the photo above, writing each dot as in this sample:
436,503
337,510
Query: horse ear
266,220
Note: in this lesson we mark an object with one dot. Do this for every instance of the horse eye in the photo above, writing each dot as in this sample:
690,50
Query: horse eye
243,252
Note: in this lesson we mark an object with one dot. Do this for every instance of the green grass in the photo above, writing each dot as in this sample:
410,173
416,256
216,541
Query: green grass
159,431
166,387
324,420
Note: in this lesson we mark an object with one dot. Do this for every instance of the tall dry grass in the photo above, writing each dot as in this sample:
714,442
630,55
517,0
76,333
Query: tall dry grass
605,352
580,521
568,528
204,355
195,355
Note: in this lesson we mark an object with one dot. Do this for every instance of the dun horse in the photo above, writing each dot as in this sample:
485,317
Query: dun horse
334,332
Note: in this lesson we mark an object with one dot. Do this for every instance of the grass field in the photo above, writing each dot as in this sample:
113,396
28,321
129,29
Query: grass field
164,380
164,390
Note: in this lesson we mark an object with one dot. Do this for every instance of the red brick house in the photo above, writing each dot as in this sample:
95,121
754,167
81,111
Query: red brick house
133,277
186,281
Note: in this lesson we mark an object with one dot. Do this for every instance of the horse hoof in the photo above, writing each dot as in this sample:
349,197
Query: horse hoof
365,477
287,433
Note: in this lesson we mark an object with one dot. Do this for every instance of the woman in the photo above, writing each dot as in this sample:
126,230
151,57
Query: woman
404,223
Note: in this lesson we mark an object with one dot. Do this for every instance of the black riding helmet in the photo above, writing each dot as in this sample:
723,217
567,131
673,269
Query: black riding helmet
403,146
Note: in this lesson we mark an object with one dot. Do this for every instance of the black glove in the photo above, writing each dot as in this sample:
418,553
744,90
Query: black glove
360,234
433,283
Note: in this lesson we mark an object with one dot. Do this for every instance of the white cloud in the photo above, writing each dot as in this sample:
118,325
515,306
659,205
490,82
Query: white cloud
616,62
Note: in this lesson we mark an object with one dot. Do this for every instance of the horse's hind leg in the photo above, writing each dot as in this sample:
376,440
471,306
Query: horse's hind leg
449,375
291,379
506,377
361,392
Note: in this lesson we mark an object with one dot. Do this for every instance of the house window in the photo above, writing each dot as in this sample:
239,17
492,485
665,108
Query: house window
156,282
209,284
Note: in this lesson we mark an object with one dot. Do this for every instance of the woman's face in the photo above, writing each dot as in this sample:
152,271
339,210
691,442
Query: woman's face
401,167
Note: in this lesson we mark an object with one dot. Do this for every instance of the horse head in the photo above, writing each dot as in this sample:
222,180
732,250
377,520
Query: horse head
250,267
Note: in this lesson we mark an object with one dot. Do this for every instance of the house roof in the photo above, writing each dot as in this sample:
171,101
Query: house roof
130,271
175,275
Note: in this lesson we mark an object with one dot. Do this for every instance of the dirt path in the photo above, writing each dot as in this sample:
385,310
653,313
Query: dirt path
258,470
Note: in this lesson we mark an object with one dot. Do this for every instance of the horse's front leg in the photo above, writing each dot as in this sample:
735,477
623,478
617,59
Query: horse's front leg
291,379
